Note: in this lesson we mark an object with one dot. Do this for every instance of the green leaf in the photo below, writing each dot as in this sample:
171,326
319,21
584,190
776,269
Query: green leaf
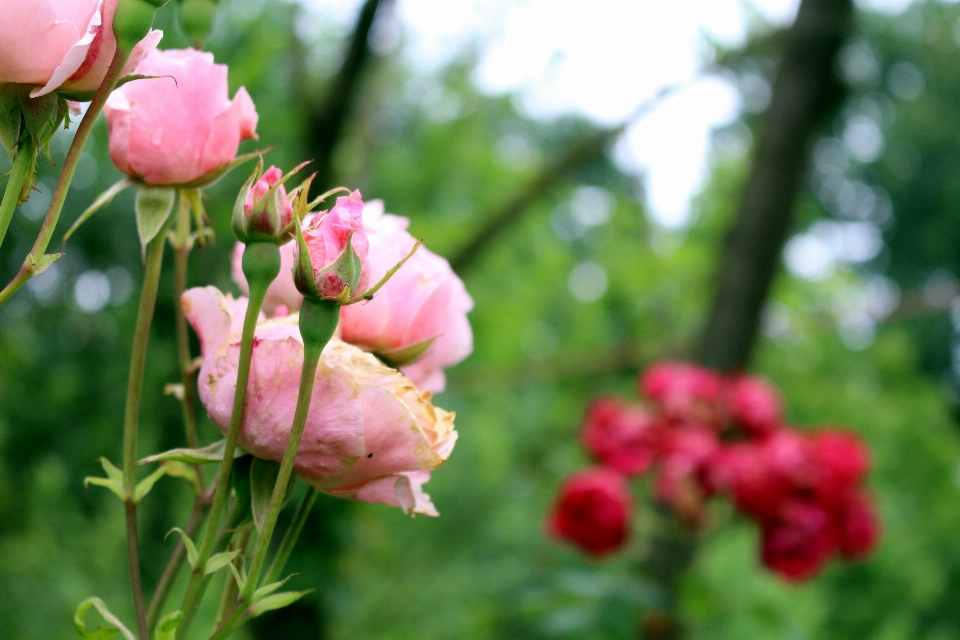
192,554
407,355
303,276
276,601
113,628
154,205
10,118
39,266
168,625
210,453
113,481
263,477
144,486
101,201
220,560
267,589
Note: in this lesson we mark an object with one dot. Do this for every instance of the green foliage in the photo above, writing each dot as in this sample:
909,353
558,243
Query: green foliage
440,153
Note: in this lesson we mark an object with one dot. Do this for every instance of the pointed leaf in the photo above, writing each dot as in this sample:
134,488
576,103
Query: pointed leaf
303,276
113,628
41,265
144,486
154,205
276,601
369,293
236,575
192,554
407,355
10,119
347,268
113,481
38,114
210,453
220,560
101,201
267,589
168,625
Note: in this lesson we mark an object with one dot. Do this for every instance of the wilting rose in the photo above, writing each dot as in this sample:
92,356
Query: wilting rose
423,303
798,542
370,435
593,511
64,46
327,235
181,126
623,436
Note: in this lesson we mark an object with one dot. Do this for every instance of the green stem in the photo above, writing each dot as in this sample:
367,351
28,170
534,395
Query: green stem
30,266
318,321
261,264
290,538
131,417
182,246
23,163
230,587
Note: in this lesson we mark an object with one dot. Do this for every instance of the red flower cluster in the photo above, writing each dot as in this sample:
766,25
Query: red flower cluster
705,434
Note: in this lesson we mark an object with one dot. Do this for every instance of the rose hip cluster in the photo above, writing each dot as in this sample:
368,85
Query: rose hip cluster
704,434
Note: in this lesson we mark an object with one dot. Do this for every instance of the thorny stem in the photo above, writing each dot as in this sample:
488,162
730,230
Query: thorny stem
131,417
31,266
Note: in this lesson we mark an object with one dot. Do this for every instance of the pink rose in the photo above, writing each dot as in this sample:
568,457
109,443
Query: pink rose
370,435
180,127
686,392
622,436
593,511
326,236
423,301
64,46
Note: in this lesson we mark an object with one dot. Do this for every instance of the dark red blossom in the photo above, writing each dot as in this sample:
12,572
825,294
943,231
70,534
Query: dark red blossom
746,473
623,436
840,461
857,526
685,392
593,511
798,541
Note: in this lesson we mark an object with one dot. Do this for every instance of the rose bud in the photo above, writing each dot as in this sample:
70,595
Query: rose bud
686,392
61,46
857,526
263,212
744,472
331,255
622,436
798,542
840,460
593,511
418,319
179,128
755,405
370,435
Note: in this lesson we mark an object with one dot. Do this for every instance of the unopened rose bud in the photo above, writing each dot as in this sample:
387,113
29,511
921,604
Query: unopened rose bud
263,211
133,20
332,252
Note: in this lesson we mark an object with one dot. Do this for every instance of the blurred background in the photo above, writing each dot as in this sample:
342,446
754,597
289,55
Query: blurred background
580,164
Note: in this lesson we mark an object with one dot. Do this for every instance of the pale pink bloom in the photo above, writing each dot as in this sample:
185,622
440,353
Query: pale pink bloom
65,46
424,300
327,235
180,126
370,435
